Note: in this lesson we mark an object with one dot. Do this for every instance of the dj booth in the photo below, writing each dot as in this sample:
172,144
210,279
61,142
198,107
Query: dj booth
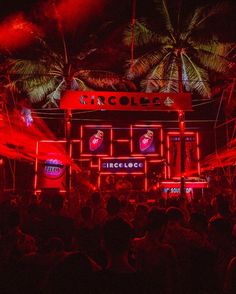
141,157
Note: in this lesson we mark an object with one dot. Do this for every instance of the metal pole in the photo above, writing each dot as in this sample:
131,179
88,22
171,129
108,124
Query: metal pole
68,119
181,128
182,152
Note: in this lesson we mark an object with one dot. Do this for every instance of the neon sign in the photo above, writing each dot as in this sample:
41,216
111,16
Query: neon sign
127,101
145,141
128,165
53,168
96,140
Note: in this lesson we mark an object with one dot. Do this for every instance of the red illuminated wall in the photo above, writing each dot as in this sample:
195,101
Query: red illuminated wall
192,154
129,141
95,143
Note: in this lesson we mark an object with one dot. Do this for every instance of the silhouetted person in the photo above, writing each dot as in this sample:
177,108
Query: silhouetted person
230,279
140,220
156,260
113,207
220,234
58,225
119,276
185,243
74,274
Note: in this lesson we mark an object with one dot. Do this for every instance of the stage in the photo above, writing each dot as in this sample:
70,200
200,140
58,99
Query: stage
140,157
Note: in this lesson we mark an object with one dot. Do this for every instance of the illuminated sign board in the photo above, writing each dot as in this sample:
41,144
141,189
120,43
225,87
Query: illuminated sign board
53,168
127,101
124,165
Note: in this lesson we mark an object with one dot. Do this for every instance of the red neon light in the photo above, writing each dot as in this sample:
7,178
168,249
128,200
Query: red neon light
172,184
145,179
131,139
111,143
53,141
162,143
96,155
198,154
127,157
81,134
99,181
93,165
122,140
99,172
97,126
168,155
123,173
40,191
147,155
70,166
36,166
177,133
147,126
145,184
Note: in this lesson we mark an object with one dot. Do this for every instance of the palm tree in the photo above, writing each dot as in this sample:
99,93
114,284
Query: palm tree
178,57
45,77
48,76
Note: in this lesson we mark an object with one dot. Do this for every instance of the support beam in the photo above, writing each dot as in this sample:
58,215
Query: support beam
182,152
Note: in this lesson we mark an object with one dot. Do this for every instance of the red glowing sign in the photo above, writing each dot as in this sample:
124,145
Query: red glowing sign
50,167
53,168
145,141
192,166
122,165
126,101
96,140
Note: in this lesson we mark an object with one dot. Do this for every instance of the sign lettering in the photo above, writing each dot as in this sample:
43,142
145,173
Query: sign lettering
126,101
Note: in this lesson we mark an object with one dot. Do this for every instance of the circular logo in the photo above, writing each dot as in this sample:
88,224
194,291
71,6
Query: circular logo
54,168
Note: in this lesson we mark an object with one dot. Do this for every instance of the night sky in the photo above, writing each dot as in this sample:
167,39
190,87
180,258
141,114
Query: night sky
114,16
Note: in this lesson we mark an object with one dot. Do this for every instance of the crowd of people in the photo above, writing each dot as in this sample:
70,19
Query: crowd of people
109,245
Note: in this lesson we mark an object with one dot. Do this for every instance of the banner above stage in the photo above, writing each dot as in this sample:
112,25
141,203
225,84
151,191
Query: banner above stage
126,101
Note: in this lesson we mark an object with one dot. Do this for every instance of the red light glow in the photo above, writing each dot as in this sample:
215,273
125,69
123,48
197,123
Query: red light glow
71,13
17,32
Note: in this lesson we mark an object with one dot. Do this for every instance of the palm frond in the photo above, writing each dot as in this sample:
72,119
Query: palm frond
213,46
147,61
213,62
81,85
32,77
191,22
213,55
38,91
142,34
56,94
100,79
171,82
198,78
163,9
27,68
200,16
155,80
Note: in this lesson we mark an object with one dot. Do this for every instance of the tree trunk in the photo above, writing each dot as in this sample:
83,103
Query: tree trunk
181,130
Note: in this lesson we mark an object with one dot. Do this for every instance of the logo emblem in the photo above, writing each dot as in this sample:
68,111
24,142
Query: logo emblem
54,168
146,140
96,140
169,102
